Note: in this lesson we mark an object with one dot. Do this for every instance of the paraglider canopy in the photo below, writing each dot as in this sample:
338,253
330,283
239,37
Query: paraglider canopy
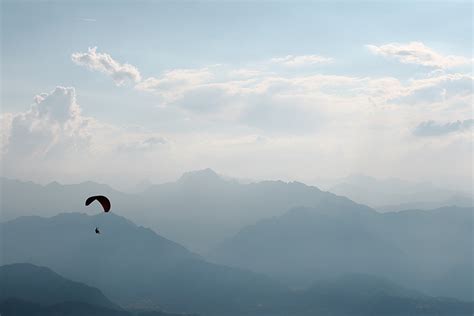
104,201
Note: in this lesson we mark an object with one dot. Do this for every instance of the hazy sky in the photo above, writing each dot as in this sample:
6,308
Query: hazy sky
118,91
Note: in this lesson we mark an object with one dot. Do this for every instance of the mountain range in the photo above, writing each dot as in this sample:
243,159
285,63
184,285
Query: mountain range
428,250
265,248
202,208
199,210
131,264
141,270
393,194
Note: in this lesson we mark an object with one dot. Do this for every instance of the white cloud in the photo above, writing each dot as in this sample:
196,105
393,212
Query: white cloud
53,121
143,143
174,83
420,54
102,62
321,123
53,140
300,60
432,128
301,103
432,90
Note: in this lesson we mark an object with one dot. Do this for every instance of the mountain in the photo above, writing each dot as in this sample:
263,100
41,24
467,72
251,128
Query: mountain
16,307
132,265
395,194
42,286
202,208
141,270
199,210
428,250
357,294
26,290
54,198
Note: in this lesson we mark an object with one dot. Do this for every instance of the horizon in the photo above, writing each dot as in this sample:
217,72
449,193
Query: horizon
323,184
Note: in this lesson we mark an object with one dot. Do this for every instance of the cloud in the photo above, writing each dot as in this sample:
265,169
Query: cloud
420,54
350,123
174,83
147,143
52,140
102,62
279,103
440,88
53,121
300,60
432,128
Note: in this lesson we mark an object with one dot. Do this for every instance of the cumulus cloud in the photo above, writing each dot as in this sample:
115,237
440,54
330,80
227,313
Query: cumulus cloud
432,128
54,127
52,140
54,120
103,62
300,60
420,54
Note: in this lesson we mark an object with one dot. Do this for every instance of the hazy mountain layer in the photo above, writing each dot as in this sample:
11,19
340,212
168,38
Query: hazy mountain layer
29,290
395,194
199,210
428,250
16,307
132,265
137,268
41,285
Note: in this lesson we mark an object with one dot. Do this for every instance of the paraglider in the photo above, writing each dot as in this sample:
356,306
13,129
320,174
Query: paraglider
104,201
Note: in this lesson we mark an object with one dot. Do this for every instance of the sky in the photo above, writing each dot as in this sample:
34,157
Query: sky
119,92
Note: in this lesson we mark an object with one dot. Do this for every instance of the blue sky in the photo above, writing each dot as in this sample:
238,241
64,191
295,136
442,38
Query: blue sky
234,85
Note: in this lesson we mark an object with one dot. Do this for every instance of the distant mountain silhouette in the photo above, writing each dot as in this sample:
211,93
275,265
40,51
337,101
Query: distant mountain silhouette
41,285
202,208
139,269
54,198
395,194
428,250
131,265
16,307
199,210
362,295
29,290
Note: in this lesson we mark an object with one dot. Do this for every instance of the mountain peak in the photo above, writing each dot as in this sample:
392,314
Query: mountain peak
201,176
